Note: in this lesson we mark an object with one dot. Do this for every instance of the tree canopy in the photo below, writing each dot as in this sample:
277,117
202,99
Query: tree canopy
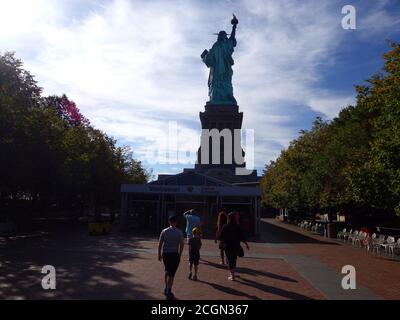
50,154
352,161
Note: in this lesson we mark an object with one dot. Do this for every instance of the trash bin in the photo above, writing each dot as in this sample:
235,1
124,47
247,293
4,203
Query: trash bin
99,228
331,230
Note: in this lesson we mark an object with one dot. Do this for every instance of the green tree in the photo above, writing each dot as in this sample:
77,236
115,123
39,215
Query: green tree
352,162
51,156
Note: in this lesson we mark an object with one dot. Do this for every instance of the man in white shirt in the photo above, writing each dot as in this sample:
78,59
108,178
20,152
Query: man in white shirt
171,242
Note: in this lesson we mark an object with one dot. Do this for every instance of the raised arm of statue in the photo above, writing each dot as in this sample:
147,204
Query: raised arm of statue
233,33
234,22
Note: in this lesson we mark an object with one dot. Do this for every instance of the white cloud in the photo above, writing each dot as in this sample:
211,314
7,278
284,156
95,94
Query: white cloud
132,66
330,105
379,20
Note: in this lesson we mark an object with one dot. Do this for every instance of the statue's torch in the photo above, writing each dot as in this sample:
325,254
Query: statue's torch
234,20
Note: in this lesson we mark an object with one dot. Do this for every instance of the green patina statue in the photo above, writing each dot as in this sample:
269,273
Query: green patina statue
219,60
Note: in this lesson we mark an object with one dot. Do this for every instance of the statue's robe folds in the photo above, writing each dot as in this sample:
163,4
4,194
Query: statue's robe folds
219,60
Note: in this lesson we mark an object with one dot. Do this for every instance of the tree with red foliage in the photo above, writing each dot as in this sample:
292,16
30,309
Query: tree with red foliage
66,110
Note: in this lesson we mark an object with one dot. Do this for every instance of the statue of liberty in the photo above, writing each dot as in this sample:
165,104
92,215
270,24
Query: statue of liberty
219,60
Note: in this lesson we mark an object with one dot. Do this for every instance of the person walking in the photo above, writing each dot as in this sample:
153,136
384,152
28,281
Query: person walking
192,221
171,243
221,221
194,253
231,235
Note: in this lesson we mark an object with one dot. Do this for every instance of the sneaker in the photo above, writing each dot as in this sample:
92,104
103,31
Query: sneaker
190,276
195,278
231,278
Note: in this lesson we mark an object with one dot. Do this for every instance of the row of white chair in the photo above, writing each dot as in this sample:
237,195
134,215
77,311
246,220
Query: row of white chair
388,243
372,243
310,226
355,237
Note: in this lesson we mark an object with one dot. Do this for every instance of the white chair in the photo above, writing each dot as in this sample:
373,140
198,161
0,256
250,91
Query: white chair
320,228
389,245
314,228
396,246
353,236
377,242
300,224
381,238
347,234
341,234
358,239
364,241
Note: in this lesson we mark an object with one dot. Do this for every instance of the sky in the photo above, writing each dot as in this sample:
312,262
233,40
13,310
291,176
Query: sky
133,67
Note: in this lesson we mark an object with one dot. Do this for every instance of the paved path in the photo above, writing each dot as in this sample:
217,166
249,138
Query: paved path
286,264
320,260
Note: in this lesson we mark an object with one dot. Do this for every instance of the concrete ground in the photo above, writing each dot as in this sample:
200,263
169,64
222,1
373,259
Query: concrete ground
287,263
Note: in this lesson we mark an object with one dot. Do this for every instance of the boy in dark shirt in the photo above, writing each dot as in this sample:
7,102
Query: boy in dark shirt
194,252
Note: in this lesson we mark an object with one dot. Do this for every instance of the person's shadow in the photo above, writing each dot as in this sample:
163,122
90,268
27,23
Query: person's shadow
274,290
243,270
229,290
265,288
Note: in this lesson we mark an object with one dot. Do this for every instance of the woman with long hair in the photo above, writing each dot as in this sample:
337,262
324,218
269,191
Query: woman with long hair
231,235
221,221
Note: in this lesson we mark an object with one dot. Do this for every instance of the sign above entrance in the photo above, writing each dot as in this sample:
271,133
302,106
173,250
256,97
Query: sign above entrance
194,190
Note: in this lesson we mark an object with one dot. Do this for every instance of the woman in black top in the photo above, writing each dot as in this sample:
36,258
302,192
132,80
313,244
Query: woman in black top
231,235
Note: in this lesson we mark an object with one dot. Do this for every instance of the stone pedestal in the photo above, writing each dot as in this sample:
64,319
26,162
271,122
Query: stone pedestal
225,119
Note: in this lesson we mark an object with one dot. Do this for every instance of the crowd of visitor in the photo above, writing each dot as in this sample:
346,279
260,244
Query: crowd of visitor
228,236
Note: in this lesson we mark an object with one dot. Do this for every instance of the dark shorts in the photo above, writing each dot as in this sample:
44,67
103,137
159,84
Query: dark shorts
194,258
231,256
171,263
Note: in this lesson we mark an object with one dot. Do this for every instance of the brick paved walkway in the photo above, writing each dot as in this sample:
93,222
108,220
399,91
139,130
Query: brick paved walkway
286,265
380,274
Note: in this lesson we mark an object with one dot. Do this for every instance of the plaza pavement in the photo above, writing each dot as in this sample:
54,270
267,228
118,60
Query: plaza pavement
285,263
